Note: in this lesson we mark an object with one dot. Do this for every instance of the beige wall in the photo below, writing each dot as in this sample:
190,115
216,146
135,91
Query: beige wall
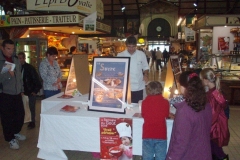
170,17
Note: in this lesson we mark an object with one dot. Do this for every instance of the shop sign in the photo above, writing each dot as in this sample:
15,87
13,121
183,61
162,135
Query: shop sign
189,35
44,20
4,21
82,6
99,26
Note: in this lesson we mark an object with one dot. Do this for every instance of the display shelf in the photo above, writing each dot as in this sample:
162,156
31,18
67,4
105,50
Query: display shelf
34,48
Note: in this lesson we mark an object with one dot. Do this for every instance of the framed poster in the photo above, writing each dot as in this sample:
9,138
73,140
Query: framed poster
223,44
83,47
175,62
109,83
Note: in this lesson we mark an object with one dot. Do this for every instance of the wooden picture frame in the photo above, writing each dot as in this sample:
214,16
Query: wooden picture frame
109,84
175,62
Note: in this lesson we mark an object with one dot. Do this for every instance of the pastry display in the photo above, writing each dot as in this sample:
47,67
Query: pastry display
112,93
112,82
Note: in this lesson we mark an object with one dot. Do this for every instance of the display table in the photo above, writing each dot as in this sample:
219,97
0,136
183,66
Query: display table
80,131
50,102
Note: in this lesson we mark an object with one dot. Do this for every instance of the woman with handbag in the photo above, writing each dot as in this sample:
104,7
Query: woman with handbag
219,131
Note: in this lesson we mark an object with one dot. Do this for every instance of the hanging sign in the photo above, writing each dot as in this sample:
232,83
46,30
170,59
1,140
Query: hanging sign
44,20
82,6
89,23
189,35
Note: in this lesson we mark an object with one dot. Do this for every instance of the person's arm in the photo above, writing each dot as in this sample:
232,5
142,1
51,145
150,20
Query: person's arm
180,136
146,76
128,152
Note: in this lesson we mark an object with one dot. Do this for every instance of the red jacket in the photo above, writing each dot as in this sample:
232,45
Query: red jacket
155,110
219,130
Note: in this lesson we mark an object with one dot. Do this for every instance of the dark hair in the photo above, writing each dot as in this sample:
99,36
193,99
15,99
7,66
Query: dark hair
154,88
52,51
195,95
7,41
73,48
22,54
131,40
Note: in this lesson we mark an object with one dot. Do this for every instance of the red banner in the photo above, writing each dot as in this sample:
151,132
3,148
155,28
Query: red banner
116,138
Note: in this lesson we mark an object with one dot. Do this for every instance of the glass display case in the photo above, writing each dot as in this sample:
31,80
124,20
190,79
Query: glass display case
34,48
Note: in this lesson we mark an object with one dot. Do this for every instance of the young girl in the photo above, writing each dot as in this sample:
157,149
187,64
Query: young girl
218,104
155,110
192,123
125,134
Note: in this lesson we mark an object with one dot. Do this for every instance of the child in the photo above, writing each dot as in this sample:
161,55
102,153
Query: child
192,122
218,104
125,134
155,110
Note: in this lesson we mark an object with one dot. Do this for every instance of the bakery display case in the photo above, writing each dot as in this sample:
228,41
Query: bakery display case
229,72
34,48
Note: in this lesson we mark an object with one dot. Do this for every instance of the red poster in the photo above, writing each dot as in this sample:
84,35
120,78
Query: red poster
223,44
116,138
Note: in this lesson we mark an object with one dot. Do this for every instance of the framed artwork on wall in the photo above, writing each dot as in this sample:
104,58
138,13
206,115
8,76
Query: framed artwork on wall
83,47
109,83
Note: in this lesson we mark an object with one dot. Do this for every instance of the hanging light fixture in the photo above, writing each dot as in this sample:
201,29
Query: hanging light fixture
179,21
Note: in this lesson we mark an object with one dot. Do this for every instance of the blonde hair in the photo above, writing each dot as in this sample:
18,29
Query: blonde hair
154,88
209,74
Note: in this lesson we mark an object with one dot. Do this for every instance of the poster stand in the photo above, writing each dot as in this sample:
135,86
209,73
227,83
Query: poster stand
173,70
109,84
79,76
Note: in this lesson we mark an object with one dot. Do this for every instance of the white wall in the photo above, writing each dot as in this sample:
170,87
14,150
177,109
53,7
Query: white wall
222,32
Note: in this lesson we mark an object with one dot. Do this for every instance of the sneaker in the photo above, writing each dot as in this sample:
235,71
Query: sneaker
14,144
20,137
31,125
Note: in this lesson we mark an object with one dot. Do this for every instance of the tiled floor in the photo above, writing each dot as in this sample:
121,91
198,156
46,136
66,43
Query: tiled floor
29,150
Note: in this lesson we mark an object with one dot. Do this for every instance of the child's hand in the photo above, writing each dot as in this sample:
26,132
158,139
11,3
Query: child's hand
171,115
122,147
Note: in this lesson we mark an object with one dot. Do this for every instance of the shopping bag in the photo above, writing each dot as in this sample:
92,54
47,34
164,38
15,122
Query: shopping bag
27,117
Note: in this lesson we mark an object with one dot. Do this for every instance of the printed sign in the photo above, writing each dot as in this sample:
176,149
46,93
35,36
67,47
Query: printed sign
116,138
82,6
109,84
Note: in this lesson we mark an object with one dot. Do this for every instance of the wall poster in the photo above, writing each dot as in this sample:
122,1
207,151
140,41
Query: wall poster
83,47
109,83
223,44
116,138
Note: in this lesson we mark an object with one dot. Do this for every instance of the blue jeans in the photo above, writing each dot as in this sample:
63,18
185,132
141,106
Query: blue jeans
154,146
50,93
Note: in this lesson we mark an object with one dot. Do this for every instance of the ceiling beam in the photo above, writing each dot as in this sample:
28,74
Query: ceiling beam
121,17
138,7
124,4
233,7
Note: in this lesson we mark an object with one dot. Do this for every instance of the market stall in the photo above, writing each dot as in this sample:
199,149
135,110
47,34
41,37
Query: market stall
80,131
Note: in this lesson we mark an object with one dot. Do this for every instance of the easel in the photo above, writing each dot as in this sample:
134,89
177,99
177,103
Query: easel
78,76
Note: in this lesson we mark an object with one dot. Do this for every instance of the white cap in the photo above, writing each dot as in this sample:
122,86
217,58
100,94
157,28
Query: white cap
124,129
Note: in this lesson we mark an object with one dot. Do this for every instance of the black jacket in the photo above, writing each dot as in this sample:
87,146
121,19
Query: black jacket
31,81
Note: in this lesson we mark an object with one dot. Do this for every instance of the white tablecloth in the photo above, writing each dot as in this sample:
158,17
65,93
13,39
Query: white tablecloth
50,102
80,130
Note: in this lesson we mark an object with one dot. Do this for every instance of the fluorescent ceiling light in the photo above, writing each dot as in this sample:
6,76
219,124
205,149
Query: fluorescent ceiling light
179,21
